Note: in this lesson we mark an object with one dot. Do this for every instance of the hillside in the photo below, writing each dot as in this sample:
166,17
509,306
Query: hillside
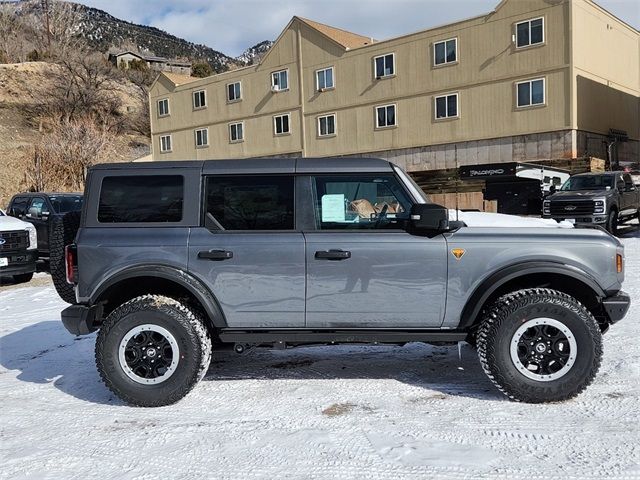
104,32
19,132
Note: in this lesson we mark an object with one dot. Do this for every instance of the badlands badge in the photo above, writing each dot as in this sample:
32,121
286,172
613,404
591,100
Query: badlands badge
458,253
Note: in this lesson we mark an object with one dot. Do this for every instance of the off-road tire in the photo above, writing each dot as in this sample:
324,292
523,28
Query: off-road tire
23,277
507,314
612,222
62,232
184,323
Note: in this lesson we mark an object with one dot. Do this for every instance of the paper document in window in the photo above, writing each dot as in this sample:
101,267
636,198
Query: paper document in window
333,209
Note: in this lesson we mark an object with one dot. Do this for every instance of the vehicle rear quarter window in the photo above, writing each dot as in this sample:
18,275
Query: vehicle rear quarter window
141,199
250,203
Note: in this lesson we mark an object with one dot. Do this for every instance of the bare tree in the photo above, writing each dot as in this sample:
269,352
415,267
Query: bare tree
60,160
58,23
13,35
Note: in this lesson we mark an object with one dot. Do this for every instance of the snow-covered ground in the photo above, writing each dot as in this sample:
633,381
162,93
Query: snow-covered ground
342,412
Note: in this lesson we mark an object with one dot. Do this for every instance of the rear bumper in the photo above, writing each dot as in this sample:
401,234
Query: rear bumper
19,263
81,319
617,306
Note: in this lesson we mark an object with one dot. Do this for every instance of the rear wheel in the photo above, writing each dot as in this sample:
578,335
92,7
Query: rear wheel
539,345
152,350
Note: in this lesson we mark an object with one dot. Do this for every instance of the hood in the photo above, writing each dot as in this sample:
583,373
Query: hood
11,223
486,219
579,195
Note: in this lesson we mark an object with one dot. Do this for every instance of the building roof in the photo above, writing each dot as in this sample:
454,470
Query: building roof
151,58
348,40
178,79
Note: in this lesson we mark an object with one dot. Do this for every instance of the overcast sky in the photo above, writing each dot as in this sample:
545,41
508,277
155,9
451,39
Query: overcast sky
232,26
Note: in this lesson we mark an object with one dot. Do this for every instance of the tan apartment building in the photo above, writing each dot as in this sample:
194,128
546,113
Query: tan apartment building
531,81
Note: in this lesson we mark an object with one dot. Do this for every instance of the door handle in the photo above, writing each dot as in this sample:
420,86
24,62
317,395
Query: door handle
215,255
333,255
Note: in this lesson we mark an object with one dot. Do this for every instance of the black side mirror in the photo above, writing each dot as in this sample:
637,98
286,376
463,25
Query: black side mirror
430,217
552,189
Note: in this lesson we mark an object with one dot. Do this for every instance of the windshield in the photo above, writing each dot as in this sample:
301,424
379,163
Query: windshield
590,182
66,203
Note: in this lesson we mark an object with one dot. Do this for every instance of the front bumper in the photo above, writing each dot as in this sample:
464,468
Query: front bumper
19,263
81,319
583,221
617,306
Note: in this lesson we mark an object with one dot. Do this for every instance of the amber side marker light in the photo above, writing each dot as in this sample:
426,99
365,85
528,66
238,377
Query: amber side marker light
619,263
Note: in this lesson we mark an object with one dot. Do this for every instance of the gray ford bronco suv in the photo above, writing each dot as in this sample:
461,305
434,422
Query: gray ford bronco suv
169,260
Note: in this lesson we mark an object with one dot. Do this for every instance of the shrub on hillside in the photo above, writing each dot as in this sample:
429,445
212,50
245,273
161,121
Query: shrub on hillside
201,70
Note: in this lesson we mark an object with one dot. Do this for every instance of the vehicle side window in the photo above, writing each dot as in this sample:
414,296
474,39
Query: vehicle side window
628,181
141,199
19,207
361,201
36,206
250,202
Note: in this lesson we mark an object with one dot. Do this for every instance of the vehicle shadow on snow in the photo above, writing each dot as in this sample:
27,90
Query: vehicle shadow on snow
45,353
450,370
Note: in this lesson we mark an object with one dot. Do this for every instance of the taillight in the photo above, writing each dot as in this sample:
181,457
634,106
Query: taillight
71,263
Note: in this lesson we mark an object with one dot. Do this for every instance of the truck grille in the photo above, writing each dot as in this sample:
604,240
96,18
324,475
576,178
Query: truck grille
13,241
572,209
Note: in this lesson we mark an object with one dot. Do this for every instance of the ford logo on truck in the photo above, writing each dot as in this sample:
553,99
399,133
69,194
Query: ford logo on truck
570,208
2,241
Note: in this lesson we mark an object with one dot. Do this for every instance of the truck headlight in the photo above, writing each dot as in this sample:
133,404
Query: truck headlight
600,205
546,206
33,237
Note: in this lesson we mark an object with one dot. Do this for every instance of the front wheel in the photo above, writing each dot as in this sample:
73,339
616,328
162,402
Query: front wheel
152,350
612,222
539,345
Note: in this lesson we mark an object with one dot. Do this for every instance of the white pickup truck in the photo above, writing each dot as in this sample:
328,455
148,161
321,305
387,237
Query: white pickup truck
18,248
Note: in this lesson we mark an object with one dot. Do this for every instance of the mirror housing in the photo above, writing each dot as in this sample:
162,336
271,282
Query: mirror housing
552,189
430,217
33,212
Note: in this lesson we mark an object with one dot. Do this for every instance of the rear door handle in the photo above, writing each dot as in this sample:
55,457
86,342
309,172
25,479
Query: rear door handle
333,255
215,255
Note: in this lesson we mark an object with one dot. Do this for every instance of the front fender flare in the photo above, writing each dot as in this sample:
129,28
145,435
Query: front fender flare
494,281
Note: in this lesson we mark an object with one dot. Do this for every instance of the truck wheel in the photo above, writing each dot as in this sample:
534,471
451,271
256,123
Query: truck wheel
152,350
62,232
539,345
23,278
612,222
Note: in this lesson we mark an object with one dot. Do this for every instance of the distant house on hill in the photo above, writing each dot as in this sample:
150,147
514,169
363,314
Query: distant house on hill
160,64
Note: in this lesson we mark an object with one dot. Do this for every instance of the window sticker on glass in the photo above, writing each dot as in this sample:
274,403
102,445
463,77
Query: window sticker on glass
333,208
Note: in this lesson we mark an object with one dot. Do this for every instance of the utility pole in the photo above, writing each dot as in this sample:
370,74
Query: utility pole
45,7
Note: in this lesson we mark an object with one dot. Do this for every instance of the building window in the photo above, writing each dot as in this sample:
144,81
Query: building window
163,107
281,124
530,93
445,52
234,92
324,79
280,80
385,65
530,32
386,116
199,99
236,132
165,143
327,125
447,106
202,137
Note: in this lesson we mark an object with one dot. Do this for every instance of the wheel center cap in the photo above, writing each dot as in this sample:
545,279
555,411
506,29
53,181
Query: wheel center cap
151,352
541,348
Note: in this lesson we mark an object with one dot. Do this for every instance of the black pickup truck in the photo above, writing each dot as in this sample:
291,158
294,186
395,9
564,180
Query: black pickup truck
595,199
37,209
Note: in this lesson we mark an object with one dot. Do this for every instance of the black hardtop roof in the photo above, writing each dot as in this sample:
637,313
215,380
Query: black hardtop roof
260,165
